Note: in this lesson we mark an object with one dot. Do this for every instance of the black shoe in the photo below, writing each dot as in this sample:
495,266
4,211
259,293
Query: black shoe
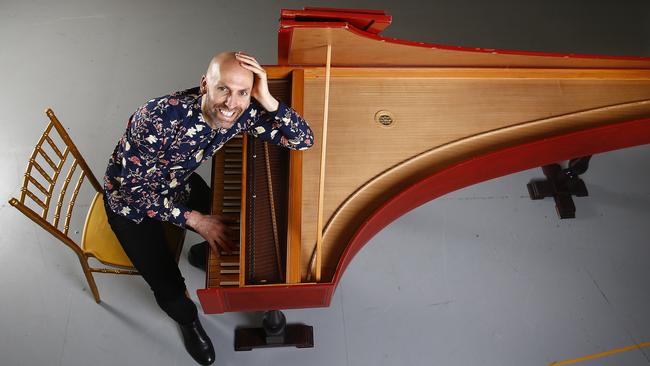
198,255
197,343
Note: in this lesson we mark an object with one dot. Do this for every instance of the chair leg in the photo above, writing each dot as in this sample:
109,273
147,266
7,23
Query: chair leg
90,279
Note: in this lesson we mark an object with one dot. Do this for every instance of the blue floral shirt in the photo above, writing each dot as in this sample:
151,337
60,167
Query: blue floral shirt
167,138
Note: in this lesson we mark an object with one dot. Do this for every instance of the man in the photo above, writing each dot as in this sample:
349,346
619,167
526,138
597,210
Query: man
150,176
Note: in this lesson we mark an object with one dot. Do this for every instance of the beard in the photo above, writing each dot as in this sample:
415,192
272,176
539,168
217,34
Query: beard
220,116
224,116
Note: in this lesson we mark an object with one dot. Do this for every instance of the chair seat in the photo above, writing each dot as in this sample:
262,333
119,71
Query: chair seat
98,239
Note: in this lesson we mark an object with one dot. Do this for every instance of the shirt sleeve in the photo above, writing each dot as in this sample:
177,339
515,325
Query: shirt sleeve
144,185
284,127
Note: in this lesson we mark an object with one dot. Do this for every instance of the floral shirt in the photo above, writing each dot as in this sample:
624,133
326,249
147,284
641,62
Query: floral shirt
167,138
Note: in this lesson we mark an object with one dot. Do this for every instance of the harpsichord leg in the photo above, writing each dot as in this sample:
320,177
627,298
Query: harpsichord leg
562,184
275,332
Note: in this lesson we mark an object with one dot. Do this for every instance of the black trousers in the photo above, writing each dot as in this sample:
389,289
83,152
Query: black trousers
144,244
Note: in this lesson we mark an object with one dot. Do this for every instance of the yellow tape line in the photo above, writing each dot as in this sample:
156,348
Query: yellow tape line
617,350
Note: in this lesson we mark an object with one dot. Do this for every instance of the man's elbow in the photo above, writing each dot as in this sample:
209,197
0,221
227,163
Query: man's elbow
306,143
308,140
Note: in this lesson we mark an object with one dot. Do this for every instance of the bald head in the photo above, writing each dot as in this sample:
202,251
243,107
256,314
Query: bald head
225,63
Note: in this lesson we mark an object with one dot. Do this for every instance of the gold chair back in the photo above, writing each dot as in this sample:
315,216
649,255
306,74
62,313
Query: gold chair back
52,152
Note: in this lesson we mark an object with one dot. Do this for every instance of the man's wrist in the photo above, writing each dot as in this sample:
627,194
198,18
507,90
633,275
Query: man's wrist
193,218
270,104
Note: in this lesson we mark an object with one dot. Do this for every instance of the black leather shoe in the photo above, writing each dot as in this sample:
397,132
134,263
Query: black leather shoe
198,255
197,343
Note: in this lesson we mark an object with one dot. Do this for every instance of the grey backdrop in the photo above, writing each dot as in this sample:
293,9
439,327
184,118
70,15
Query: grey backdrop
480,276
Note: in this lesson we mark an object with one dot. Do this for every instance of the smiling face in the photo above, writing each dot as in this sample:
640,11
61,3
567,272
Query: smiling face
226,89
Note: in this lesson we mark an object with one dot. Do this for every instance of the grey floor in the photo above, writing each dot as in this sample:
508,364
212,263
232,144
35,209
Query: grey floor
481,276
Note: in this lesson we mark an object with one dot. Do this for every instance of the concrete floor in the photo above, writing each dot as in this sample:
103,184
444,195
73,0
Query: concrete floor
481,276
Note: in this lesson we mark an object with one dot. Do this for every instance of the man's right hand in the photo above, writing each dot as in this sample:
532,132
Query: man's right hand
213,229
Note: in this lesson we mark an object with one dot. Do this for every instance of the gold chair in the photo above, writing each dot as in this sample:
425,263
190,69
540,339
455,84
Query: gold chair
98,240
